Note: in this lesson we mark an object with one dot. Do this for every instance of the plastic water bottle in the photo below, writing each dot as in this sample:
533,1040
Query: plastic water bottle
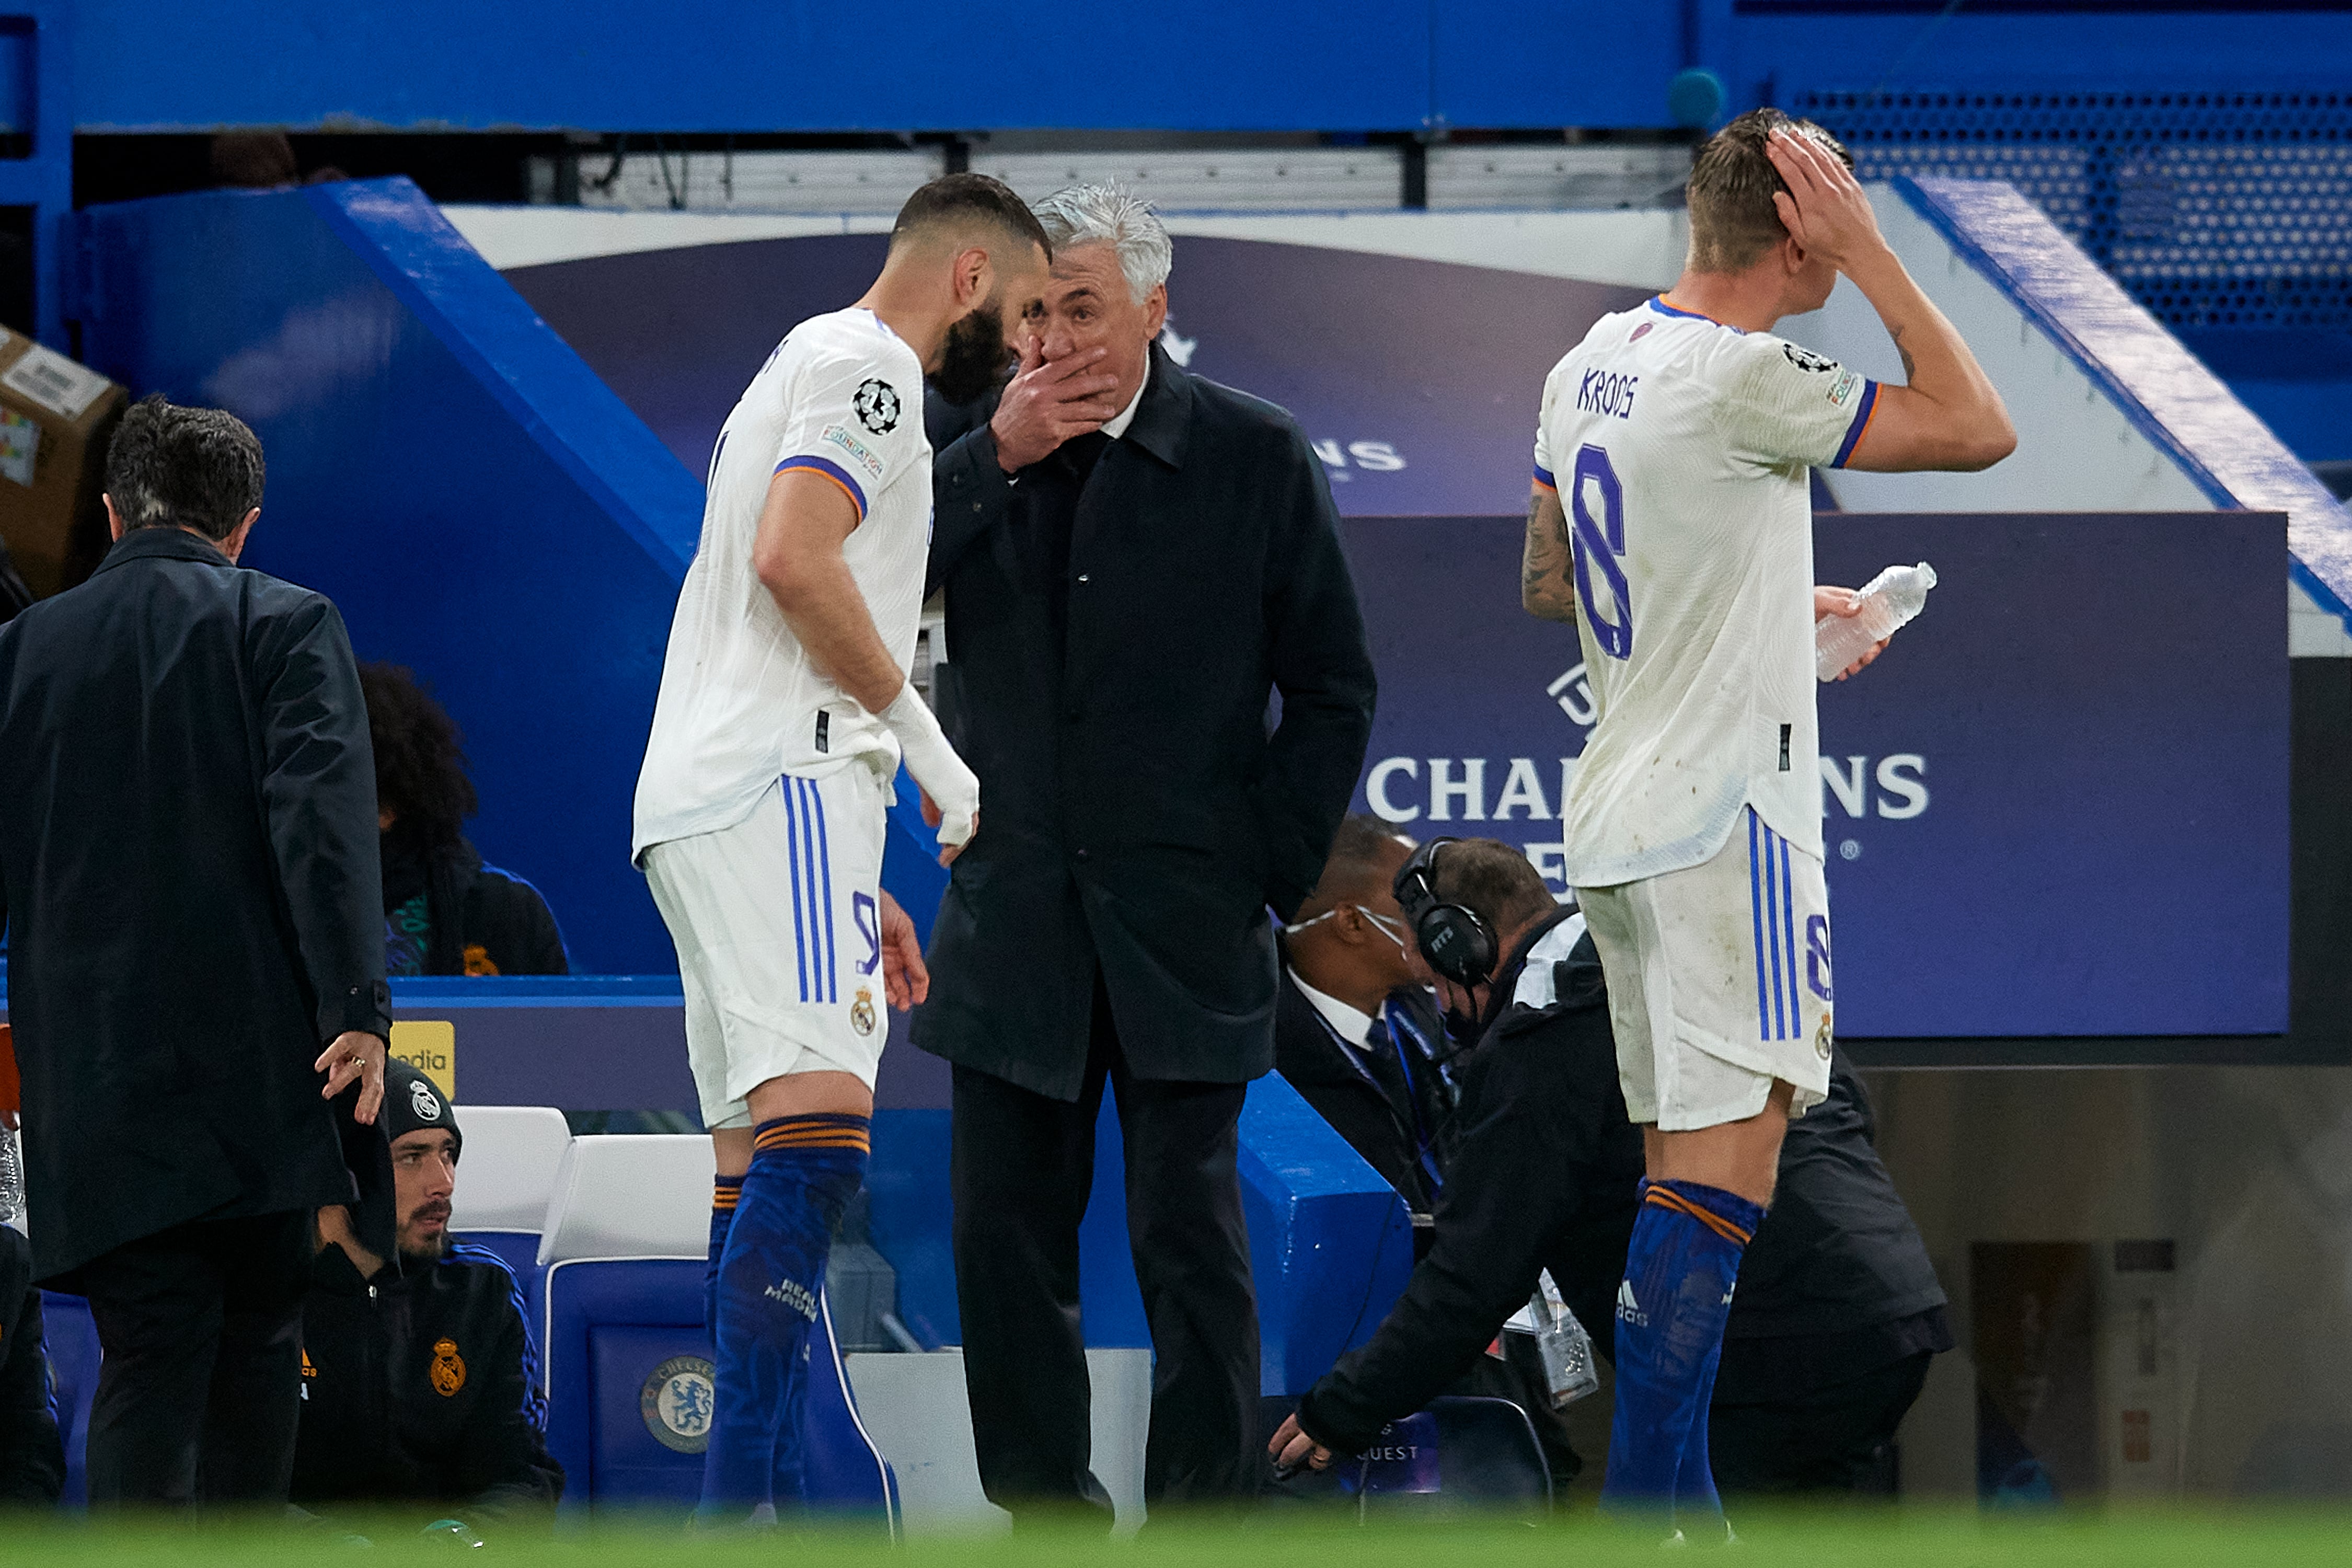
1889,602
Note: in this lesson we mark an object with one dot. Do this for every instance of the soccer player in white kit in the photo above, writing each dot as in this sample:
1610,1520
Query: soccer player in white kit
1672,520
783,714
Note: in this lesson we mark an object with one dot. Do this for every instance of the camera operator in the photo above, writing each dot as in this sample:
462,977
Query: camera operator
1838,1312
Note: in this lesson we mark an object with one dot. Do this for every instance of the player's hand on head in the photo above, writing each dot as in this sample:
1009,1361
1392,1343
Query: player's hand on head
1824,208
1829,601
906,980
1047,402
354,1057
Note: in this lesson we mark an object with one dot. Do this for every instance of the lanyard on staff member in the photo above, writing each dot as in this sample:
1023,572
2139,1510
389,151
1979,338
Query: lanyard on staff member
1358,1052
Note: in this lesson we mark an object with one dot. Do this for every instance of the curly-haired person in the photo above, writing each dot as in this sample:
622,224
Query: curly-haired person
445,911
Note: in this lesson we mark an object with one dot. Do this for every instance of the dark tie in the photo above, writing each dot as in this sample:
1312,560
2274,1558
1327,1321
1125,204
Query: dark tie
1381,1057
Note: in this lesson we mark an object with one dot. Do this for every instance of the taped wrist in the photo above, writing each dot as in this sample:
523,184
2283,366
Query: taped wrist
952,786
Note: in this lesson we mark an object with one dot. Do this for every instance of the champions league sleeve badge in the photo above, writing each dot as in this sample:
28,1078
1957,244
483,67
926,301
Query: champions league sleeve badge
676,1402
876,404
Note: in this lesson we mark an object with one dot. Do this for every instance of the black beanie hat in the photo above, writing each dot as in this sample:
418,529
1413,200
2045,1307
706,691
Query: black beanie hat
414,1103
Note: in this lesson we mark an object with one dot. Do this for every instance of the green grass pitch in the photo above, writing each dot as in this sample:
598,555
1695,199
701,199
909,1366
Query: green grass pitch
1915,1537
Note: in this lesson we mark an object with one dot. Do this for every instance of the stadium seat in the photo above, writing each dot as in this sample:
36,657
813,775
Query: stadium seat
507,1176
1487,1459
72,1339
628,1359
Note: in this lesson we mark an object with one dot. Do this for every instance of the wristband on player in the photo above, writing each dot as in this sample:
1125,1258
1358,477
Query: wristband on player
953,787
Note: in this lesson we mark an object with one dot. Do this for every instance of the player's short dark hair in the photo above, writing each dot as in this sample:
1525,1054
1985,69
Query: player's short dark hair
1732,218
420,758
172,466
1363,858
1494,881
955,200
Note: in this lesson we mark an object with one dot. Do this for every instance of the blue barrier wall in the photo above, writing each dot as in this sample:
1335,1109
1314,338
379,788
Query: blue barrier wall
478,504
481,505
1309,65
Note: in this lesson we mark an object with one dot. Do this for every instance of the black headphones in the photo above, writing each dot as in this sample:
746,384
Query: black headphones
1454,941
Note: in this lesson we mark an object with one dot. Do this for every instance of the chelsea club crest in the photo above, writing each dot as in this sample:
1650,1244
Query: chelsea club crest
676,1403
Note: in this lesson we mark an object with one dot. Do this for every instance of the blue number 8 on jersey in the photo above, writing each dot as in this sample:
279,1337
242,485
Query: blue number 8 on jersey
1600,543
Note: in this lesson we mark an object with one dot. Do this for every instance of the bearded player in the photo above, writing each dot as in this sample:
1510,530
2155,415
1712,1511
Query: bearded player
1679,437
784,715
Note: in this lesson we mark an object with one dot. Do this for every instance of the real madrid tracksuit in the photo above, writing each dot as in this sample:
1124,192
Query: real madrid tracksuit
421,1387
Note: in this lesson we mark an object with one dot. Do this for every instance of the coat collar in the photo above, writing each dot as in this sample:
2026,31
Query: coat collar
1164,420
164,543
1505,986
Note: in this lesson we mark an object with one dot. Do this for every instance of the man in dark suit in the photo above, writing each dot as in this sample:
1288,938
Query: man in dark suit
1358,1039
188,875
1136,560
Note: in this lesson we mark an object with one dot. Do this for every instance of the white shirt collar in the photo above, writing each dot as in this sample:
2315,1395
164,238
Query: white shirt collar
1116,427
1351,1024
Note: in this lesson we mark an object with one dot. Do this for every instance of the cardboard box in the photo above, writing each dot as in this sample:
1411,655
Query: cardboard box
56,418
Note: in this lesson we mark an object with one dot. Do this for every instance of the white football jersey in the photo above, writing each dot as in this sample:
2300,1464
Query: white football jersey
741,702
1681,449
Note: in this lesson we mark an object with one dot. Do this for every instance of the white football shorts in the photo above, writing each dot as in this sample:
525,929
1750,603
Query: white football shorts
1718,981
778,930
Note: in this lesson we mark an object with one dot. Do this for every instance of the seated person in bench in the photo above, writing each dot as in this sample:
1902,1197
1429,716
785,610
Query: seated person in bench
1838,1310
1354,1033
420,1381
445,911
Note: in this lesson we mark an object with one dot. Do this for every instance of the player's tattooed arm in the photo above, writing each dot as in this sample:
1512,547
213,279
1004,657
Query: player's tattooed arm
1545,588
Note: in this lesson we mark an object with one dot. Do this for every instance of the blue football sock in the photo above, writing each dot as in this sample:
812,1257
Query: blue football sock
1680,1269
1697,1506
726,1192
803,1170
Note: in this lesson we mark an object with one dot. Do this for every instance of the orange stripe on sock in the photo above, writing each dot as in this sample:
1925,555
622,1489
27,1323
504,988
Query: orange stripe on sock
1667,1198
824,1140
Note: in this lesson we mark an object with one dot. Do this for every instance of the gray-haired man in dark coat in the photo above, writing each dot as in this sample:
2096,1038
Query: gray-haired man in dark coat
1136,561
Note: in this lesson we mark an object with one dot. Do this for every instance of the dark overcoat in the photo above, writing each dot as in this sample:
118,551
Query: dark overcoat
1141,804
190,882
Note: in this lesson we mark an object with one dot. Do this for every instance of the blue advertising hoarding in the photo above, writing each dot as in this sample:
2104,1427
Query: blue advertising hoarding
2057,806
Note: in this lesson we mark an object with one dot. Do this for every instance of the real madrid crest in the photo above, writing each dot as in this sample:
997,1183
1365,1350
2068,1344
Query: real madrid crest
448,1368
876,402
422,1100
861,1012
676,1402
1822,1035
